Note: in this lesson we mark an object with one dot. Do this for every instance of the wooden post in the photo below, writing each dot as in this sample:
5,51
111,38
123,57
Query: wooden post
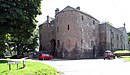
9,67
24,63
17,66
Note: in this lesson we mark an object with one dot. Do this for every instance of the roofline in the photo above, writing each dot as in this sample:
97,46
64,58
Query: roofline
77,11
110,26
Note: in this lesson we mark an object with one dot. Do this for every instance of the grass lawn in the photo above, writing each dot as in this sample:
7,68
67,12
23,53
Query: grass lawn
122,51
32,68
127,58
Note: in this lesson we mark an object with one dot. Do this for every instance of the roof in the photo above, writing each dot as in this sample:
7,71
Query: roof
77,11
121,28
50,19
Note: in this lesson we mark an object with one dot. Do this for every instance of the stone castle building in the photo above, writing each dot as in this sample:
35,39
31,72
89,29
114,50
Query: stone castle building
73,34
112,38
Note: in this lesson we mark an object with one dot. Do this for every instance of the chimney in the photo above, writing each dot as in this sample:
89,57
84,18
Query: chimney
56,11
124,24
78,8
47,19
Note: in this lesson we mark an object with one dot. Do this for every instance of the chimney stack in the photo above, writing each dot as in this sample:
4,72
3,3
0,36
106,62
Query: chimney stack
56,11
124,24
78,8
47,19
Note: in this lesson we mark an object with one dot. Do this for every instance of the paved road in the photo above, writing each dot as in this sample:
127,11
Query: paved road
90,66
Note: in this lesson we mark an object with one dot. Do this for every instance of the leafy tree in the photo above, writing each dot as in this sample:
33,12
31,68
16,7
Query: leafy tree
18,21
129,38
128,34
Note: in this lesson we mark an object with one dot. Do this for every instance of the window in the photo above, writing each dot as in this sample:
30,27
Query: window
58,43
57,19
57,29
82,18
93,22
112,44
94,32
68,27
121,38
112,34
117,36
81,41
92,43
40,36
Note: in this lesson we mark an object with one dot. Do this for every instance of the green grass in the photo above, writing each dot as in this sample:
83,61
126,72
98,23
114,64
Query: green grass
7,56
122,51
32,68
127,58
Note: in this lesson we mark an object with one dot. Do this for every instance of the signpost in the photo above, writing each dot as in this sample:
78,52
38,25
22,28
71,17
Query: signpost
13,62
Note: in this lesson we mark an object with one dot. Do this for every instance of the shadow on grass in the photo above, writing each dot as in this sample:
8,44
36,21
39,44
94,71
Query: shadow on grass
3,61
5,71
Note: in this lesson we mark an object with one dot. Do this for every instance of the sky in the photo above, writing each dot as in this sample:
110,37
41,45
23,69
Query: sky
116,12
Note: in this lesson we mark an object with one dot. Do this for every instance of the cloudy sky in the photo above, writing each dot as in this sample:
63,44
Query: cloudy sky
116,12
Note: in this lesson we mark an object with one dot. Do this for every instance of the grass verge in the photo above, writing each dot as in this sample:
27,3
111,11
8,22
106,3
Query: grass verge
127,58
122,51
32,68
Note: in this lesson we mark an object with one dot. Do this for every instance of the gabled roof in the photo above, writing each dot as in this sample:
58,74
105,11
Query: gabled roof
121,28
71,8
50,19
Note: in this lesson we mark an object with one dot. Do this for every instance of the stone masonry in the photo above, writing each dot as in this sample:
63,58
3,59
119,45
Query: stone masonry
112,38
73,34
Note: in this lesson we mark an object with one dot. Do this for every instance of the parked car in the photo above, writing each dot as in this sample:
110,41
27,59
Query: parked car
45,56
108,55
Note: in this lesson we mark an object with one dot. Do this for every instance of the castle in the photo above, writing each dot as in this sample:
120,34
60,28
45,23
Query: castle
74,34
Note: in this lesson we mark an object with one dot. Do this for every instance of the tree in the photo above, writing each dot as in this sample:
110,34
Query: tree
128,34
18,20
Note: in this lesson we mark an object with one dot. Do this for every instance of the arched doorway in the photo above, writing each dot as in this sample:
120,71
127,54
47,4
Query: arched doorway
53,45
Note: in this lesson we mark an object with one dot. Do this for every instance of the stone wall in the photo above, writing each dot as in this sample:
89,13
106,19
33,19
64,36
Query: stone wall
74,34
77,41
47,36
111,38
